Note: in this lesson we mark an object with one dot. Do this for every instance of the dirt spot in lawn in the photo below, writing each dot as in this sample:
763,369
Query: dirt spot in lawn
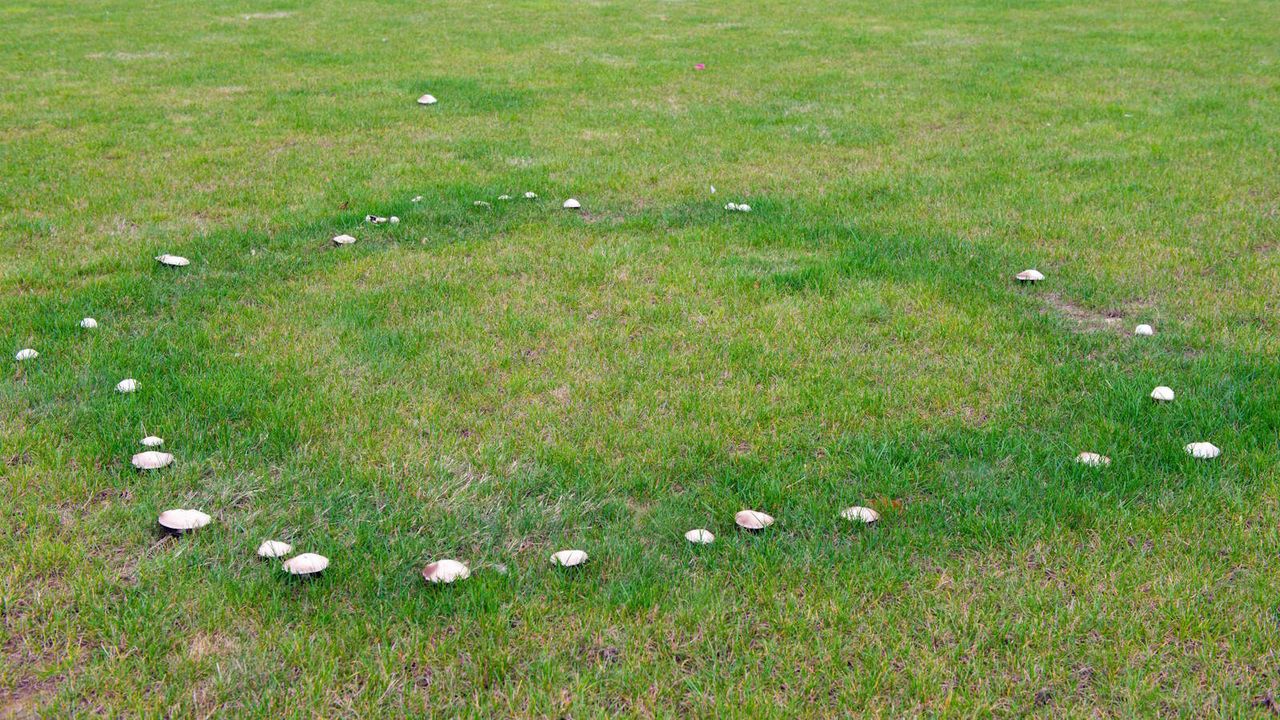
1084,319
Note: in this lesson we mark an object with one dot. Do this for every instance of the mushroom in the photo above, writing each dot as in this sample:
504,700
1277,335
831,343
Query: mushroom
504,197
568,558
395,220
753,520
860,514
732,207
416,198
1162,394
530,195
482,203
572,204
152,441
700,537
274,549
1203,450
306,564
179,520
1031,276
26,354
1093,459
374,219
151,460
1144,330
445,571
88,323
427,100
172,260
343,240
127,385
743,207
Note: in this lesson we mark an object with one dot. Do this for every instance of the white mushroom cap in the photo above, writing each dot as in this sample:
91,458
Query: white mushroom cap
530,195
152,441
860,514
181,520
1203,450
26,354
743,207
700,537
306,564
572,204
343,240
752,519
274,549
731,206
152,460
88,323
445,571
1162,394
416,198
1031,275
127,385
504,197
1144,329
395,220
427,100
568,558
172,260
482,203
1093,459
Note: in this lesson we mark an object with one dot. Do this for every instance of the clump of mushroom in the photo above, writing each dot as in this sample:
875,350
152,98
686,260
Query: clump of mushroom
700,536
857,513
753,520
152,460
1162,394
172,260
445,571
1093,459
306,564
568,558
274,549
1203,450
180,520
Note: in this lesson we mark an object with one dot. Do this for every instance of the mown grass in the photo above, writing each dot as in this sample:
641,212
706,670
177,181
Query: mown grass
494,384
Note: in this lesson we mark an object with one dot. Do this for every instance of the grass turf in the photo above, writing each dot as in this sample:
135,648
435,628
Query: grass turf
495,384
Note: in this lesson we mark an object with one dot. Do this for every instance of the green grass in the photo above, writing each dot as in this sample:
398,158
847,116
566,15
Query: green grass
495,384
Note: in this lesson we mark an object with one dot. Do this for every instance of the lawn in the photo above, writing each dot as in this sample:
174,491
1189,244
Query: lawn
495,383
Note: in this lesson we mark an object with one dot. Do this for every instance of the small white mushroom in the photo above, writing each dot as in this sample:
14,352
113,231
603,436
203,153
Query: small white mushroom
182,520
427,100
860,514
26,354
274,549
127,385
152,441
568,558
306,564
152,460
530,195
416,198
343,240
732,207
1162,394
482,203
395,220
572,204
1031,275
1093,459
172,260
504,197
374,219
1203,450
713,189
752,520
700,537
743,207
445,571
88,323
1144,330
